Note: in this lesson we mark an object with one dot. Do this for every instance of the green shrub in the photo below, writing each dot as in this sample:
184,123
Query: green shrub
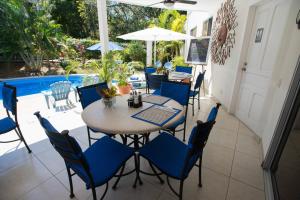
135,51
178,61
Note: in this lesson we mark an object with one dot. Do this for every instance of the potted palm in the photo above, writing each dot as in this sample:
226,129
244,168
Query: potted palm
124,73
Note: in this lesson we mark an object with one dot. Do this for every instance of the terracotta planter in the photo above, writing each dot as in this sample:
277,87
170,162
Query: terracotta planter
124,89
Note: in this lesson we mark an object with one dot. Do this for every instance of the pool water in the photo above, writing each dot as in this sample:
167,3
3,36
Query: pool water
34,85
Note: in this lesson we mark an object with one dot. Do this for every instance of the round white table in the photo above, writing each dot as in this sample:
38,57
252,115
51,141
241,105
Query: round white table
118,120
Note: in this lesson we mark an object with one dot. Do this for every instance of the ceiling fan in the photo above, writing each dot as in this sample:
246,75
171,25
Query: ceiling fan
170,3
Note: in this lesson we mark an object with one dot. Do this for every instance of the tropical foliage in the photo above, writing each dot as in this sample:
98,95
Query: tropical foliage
57,33
173,20
28,30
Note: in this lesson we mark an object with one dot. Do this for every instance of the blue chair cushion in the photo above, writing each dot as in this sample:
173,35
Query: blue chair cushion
193,93
167,153
156,92
179,122
104,158
6,125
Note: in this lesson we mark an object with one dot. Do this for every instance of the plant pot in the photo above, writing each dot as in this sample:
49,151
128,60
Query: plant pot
109,102
124,89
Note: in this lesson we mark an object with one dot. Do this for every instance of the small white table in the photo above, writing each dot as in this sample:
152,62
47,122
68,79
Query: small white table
118,120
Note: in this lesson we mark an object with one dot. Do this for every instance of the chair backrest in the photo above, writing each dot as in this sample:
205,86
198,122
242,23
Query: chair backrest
168,65
9,95
154,80
198,139
149,70
68,148
199,80
185,69
177,91
88,94
60,90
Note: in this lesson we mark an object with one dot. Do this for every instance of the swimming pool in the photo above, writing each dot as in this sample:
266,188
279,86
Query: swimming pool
34,85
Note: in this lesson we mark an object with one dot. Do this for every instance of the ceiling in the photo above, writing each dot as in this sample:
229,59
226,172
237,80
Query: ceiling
202,5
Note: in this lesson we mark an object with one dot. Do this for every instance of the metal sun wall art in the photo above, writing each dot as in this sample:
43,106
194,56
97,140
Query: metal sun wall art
223,37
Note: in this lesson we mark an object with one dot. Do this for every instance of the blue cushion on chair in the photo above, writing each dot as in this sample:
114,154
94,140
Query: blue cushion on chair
193,93
185,69
105,157
6,125
167,153
156,92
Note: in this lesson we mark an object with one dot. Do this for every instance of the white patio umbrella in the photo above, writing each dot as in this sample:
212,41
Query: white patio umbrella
155,34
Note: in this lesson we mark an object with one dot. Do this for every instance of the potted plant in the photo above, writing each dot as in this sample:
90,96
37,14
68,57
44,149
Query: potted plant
108,96
124,73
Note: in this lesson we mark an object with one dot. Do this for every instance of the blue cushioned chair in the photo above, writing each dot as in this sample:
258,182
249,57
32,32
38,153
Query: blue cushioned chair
87,95
185,69
148,70
177,159
179,92
196,91
154,82
95,166
9,123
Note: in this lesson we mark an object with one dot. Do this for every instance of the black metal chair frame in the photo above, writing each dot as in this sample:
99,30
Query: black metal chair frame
198,96
81,161
186,111
158,77
14,113
191,153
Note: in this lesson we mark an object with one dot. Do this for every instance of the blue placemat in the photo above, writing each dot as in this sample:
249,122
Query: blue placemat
157,115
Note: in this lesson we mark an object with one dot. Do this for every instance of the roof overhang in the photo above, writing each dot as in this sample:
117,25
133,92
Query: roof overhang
201,6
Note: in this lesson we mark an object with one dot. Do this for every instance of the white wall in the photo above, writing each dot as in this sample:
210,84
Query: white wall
225,78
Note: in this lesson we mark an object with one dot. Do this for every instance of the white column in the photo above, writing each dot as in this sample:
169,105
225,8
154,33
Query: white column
149,53
103,27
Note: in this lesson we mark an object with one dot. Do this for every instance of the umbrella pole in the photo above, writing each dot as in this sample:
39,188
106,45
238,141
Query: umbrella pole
154,52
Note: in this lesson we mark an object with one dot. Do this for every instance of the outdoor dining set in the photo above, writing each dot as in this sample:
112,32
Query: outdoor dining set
163,109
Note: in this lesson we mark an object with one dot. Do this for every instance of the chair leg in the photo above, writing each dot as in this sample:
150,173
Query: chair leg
119,177
89,136
22,139
199,100
180,189
183,139
71,183
94,193
156,174
193,105
200,172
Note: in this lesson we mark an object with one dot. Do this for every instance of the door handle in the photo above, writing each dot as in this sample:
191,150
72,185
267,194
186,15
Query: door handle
244,69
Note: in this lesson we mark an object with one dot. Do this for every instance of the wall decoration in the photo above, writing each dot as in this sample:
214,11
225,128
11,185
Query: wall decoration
223,37
259,34
206,28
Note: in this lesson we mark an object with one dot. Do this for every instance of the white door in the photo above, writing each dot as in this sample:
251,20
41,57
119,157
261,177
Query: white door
267,31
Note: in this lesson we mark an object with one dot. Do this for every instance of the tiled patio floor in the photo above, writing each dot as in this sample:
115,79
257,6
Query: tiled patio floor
231,163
